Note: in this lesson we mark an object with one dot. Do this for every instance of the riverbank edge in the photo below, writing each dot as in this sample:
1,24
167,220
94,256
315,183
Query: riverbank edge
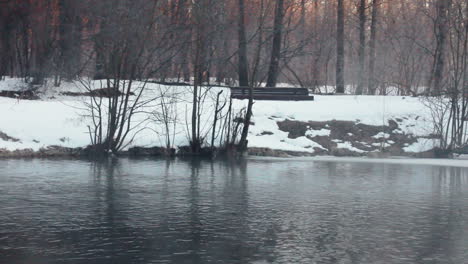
64,152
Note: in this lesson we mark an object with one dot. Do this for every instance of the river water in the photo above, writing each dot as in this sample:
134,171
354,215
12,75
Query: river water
255,211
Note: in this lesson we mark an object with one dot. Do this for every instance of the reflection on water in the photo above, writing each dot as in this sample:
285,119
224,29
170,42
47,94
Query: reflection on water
256,211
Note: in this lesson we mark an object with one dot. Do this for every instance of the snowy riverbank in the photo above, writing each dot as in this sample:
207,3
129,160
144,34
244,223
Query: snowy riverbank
330,125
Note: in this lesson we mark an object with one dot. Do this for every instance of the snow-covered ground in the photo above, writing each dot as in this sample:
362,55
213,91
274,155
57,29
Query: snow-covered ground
61,120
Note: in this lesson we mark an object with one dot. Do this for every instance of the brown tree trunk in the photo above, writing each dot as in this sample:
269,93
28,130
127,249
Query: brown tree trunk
245,130
273,70
340,52
5,47
259,46
440,28
243,63
371,85
362,46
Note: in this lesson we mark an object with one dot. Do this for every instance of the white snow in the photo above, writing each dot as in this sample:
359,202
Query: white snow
314,133
423,144
61,120
349,146
381,135
303,142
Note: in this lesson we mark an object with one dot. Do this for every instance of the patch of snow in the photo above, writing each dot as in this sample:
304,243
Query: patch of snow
423,144
381,135
303,142
315,133
349,146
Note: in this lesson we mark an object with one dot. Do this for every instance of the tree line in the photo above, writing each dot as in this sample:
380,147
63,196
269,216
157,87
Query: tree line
369,46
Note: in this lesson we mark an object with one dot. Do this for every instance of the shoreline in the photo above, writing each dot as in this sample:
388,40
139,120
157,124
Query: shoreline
65,152
460,161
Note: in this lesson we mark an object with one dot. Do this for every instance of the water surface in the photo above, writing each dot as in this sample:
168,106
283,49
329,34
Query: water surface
256,211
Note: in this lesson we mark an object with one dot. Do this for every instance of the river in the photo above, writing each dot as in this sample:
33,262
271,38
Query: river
254,211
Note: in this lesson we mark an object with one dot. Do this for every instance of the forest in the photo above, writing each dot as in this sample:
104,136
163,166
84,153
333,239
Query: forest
362,47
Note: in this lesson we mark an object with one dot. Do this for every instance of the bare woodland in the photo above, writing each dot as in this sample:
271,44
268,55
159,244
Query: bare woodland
373,47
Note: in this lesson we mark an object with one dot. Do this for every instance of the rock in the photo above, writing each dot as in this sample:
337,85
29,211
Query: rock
58,151
266,133
392,124
361,136
267,152
443,153
424,155
154,151
23,153
185,151
294,128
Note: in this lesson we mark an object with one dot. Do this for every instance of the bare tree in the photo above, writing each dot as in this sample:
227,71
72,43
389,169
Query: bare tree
362,45
273,70
440,32
124,44
371,83
243,64
340,51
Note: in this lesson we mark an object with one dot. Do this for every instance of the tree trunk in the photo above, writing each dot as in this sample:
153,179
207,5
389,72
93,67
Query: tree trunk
5,47
198,69
340,52
371,88
69,40
440,28
245,130
243,64
276,50
259,46
362,46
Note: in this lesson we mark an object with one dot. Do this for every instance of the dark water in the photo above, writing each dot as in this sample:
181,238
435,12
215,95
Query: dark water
259,211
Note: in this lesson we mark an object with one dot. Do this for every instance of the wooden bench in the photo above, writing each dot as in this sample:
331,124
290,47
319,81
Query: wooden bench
274,94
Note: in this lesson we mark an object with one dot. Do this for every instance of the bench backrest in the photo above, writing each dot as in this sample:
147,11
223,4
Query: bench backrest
269,91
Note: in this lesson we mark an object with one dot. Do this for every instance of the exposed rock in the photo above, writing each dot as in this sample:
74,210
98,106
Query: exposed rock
154,151
361,136
267,152
204,152
24,153
58,151
51,151
266,133
295,128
